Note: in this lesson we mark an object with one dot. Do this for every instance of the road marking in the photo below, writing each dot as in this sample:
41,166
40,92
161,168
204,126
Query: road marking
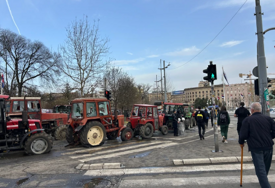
113,154
116,150
181,169
197,181
183,137
81,150
127,152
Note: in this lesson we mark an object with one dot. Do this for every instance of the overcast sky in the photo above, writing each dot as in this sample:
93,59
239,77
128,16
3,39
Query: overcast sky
142,32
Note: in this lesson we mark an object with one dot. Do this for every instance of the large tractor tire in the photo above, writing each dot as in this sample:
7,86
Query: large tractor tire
70,135
164,130
127,134
112,135
146,131
38,143
170,125
93,134
60,132
187,124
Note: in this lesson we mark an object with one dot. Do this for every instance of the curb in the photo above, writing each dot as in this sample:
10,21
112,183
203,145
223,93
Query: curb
214,160
98,166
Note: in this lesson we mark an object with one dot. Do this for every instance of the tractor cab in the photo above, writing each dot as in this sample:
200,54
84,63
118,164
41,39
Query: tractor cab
91,121
145,120
62,109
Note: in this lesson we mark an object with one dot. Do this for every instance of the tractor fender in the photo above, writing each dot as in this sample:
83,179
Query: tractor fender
25,136
78,128
119,131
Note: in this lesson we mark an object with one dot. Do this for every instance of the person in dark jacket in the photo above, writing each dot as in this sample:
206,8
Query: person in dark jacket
207,118
241,113
223,122
259,130
175,122
200,119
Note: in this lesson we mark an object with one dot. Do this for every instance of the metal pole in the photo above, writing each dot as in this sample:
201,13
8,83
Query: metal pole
161,91
164,77
157,87
216,139
1,84
261,58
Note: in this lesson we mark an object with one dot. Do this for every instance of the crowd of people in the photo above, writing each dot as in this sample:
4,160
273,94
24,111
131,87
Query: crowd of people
255,129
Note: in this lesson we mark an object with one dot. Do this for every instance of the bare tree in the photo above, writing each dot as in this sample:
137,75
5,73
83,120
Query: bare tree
26,61
143,91
83,54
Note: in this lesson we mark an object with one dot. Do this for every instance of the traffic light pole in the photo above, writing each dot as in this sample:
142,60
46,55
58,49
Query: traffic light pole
216,134
261,58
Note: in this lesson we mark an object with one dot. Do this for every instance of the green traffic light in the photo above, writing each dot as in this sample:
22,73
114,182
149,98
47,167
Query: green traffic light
212,76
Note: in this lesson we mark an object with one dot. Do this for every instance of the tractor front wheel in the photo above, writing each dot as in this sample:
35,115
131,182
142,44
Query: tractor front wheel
112,135
146,131
187,124
93,134
38,143
70,135
127,134
60,132
164,130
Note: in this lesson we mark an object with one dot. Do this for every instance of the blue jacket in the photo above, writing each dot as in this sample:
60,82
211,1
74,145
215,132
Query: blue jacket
258,130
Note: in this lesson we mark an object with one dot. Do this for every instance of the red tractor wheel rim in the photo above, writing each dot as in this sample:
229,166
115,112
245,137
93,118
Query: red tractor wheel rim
128,135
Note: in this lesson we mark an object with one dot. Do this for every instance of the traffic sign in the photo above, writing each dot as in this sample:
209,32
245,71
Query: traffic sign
255,72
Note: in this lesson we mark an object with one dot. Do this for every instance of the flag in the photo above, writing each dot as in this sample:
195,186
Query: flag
224,75
241,95
218,98
222,96
2,80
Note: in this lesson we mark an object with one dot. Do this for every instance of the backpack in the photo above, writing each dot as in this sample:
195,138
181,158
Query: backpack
223,118
199,117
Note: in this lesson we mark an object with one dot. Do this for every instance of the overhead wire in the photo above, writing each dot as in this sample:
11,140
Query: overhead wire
212,39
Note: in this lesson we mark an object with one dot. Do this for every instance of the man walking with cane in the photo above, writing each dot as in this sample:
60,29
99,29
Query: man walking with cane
259,130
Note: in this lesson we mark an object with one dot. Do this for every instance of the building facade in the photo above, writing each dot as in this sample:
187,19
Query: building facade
236,93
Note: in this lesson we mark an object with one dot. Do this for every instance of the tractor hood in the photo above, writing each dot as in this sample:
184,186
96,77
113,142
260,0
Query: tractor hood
13,124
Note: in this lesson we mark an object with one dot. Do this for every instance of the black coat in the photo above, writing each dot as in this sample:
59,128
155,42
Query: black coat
258,130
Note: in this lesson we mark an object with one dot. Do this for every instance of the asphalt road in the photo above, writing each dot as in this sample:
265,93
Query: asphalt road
137,163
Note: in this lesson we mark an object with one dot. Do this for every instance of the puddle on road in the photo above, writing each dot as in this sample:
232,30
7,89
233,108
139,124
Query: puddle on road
141,155
93,183
22,181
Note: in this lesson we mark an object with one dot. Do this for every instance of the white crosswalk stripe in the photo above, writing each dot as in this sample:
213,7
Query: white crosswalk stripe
127,152
182,169
197,181
119,149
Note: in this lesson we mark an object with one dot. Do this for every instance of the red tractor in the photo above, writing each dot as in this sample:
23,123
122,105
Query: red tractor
22,133
53,123
145,120
91,121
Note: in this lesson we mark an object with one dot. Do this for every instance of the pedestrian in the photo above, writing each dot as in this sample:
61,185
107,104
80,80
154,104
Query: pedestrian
223,122
175,122
200,118
259,130
241,113
212,116
206,117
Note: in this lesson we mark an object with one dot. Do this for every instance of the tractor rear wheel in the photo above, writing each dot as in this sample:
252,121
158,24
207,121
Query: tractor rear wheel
164,130
70,135
112,135
60,132
187,124
93,134
127,134
38,143
146,131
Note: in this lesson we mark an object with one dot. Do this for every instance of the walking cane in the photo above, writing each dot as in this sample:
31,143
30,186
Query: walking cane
241,181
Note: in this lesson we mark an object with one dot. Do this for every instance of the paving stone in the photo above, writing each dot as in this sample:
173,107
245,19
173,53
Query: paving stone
224,160
197,161
111,165
178,162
